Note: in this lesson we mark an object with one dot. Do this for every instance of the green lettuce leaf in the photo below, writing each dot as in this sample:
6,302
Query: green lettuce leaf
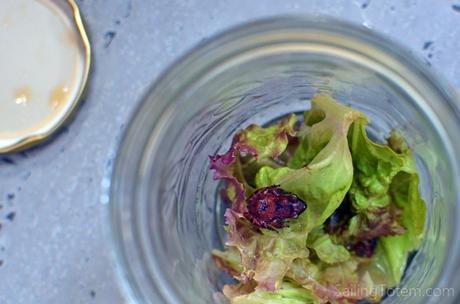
390,260
405,195
303,272
397,142
329,252
392,252
265,256
288,293
323,181
385,191
347,283
335,283
268,142
375,167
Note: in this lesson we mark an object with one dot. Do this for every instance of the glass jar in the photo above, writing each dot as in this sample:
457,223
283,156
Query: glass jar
165,214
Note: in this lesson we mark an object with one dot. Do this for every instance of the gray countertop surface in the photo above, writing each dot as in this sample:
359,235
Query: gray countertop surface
54,245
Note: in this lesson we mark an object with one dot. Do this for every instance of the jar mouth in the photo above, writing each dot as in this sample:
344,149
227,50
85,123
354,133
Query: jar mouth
202,84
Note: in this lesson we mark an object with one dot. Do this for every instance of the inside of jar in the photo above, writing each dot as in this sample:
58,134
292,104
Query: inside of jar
185,212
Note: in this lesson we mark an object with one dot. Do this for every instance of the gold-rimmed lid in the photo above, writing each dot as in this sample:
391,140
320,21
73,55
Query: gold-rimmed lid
44,65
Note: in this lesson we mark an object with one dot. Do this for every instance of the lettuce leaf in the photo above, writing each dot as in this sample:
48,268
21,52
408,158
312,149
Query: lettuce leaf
227,167
251,148
323,181
265,256
303,272
405,195
335,283
392,252
288,293
347,283
329,252
377,222
375,167
228,260
385,192
269,142
240,289
390,259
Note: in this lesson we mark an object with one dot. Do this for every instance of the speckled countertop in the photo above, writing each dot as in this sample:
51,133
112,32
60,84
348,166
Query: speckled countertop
53,240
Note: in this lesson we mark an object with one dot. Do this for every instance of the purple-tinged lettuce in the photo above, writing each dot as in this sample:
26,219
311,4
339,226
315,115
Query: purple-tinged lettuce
251,148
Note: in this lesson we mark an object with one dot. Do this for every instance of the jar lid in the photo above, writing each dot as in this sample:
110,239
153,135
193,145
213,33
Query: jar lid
44,66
